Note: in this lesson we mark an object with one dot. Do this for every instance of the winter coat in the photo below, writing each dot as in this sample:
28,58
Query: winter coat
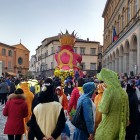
16,109
54,125
133,109
74,98
8,82
88,112
43,112
4,88
12,87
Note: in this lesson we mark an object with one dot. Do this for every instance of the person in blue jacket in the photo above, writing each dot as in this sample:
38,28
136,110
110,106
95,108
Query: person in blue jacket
88,112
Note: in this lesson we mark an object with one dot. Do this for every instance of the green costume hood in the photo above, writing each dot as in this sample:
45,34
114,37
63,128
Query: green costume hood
109,77
113,92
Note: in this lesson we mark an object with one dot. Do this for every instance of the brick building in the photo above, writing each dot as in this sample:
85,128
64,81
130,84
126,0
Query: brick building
15,59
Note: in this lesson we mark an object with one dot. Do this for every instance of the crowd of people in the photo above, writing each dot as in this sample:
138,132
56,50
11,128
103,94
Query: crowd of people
105,107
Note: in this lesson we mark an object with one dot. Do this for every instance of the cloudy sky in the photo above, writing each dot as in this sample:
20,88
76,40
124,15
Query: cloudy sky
34,20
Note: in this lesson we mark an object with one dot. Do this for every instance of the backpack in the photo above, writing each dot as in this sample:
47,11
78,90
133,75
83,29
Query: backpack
78,119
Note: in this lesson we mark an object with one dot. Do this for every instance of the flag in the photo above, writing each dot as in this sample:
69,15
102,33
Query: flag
115,36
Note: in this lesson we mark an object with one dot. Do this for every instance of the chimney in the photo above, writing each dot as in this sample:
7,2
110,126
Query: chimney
87,39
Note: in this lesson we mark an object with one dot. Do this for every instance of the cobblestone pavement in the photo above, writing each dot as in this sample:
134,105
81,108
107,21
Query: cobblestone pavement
2,124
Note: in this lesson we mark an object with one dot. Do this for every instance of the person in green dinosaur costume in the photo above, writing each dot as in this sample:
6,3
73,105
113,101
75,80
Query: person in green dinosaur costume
114,107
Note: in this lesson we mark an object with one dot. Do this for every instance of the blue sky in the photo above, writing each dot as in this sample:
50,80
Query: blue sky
34,20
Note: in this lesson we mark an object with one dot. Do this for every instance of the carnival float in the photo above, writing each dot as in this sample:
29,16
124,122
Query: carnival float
68,62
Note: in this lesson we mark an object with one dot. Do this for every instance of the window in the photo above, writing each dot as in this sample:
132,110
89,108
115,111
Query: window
128,12
40,69
106,18
20,61
100,56
123,18
93,66
93,51
46,54
9,64
58,48
83,66
119,24
9,53
46,66
52,50
82,50
3,52
75,50
3,64
135,6
51,65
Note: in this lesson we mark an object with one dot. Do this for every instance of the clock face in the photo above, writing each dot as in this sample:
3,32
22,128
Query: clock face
20,60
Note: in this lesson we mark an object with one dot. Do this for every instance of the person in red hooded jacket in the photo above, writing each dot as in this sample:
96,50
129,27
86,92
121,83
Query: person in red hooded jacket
16,109
62,97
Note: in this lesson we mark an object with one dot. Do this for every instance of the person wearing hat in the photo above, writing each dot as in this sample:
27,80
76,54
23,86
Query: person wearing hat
62,97
44,106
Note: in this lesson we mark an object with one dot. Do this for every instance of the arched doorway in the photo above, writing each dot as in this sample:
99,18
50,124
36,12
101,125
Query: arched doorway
113,61
104,63
108,62
121,59
133,55
117,61
126,57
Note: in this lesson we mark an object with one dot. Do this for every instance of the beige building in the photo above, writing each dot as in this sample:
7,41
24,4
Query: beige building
32,65
122,55
46,62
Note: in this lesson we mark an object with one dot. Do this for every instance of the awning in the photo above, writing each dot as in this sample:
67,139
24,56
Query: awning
11,73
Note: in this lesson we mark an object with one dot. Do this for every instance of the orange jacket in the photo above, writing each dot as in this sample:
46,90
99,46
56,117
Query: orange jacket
97,100
63,99
29,98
